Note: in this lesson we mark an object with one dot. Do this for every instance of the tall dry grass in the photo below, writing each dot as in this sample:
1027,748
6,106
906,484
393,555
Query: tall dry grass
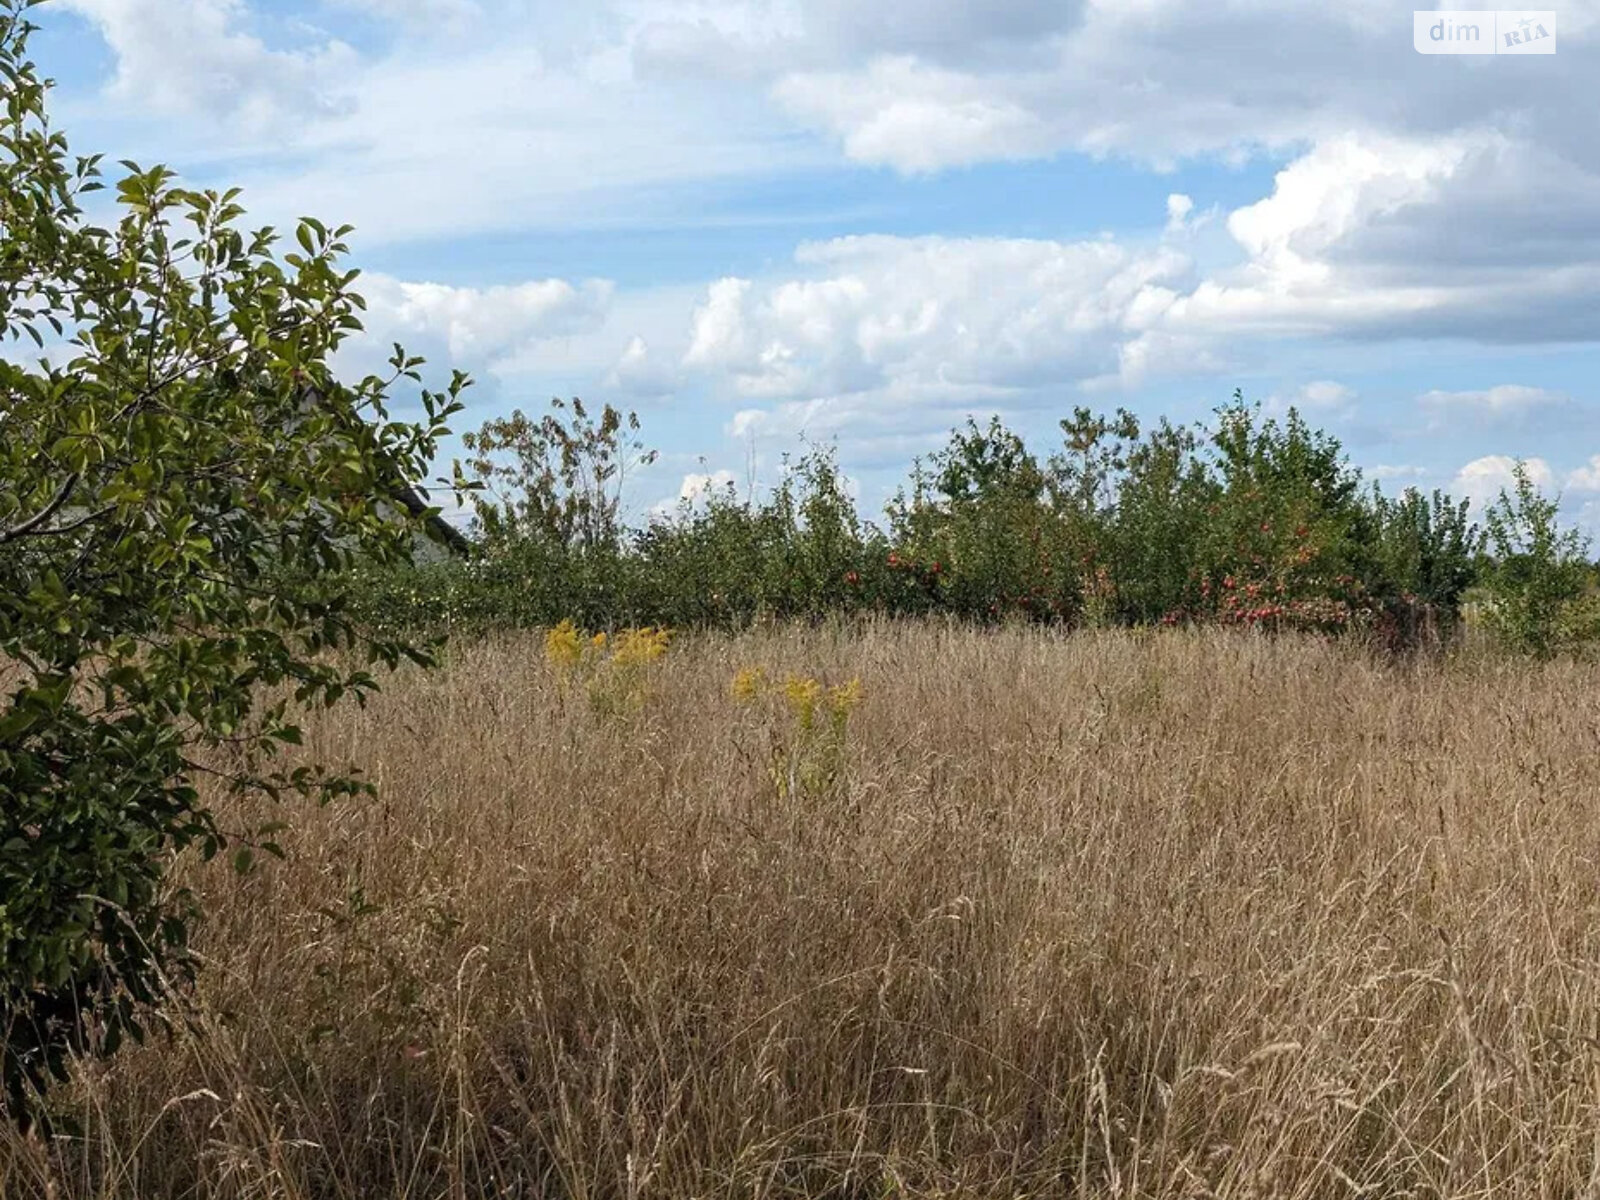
1175,915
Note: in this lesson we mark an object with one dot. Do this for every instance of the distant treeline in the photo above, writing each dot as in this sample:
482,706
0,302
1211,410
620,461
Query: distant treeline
1247,520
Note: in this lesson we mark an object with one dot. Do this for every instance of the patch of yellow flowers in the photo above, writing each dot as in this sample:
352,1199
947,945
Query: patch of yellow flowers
805,696
811,758
612,668
566,648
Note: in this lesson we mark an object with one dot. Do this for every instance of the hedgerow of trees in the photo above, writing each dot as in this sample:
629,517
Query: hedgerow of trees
1248,520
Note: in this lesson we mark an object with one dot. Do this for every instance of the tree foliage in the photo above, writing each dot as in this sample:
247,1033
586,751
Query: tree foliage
557,480
1537,575
1249,519
183,485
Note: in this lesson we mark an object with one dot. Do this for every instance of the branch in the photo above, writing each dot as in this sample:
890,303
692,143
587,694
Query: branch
33,524
80,522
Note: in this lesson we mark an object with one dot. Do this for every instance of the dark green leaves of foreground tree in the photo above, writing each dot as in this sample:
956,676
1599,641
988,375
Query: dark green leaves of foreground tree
182,485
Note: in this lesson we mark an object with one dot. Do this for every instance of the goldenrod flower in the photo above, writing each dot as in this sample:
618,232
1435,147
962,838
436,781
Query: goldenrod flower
803,694
749,683
635,647
563,646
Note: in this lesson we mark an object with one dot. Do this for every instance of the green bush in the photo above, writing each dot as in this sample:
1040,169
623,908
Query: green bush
1537,578
1426,554
183,494
976,537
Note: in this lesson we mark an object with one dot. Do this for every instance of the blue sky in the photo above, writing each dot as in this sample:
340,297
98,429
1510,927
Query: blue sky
763,223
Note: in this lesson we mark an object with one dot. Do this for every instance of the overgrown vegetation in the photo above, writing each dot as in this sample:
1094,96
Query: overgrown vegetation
205,535
1151,914
1251,521
184,489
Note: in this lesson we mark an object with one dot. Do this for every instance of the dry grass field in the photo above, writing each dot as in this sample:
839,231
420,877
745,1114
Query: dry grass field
1174,915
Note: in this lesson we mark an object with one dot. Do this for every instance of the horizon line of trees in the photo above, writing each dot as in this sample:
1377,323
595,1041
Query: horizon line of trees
1249,520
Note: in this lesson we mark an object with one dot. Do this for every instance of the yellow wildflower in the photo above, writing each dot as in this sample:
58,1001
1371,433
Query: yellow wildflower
749,683
803,694
563,646
635,647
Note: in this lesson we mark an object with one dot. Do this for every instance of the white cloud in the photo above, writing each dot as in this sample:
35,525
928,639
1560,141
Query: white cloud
860,323
478,328
639,373
696,485
931,315
885,317
1179,207
1156,81
1421,200
543,112
450,14
747,423
193,58
526,115
1396,472
1483,479
1386,238
719,336
1587,477
1504,404
1321,399
913,117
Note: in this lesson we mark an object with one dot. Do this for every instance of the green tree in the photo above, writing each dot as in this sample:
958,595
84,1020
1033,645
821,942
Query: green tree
1426,556
1290,539
976,532
1537,574
183,484
558,479
1157,529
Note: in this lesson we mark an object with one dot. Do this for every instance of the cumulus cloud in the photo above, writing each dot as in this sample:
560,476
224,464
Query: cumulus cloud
479,328
931,315
1179,207
914,117
194,58
1351,242
641,374
861,315
1157,81
696,485
1483,479
1417,199
882,320
1587,477
1417,166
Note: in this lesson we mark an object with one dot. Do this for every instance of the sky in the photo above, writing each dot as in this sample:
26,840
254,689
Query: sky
772,224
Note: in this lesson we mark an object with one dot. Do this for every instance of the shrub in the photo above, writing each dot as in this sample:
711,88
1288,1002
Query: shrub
1537,576
976,537
180,505
1426,554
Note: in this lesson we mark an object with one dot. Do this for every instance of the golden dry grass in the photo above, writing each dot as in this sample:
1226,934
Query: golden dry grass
1175,915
